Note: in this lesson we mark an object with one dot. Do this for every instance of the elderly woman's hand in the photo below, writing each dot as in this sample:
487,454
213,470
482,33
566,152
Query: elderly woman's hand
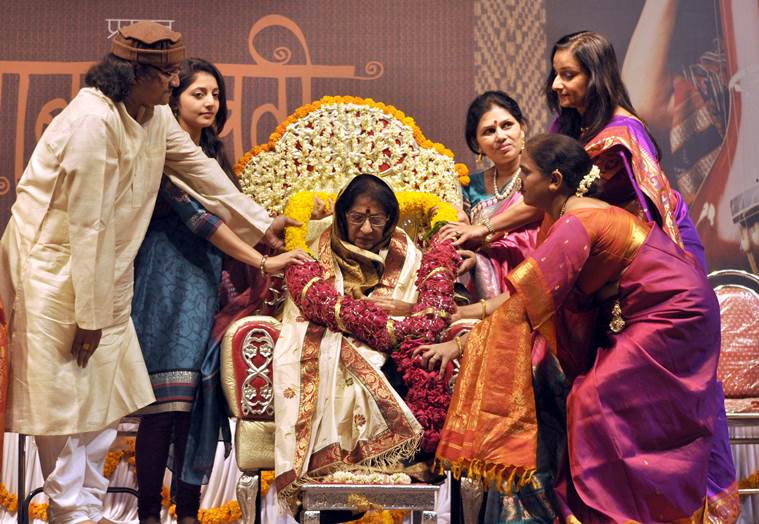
468,260
322,208
394,307
434,355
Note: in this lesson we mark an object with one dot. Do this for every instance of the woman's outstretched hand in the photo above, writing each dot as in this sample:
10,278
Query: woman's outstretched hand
462,233
278,263
322,208
434,355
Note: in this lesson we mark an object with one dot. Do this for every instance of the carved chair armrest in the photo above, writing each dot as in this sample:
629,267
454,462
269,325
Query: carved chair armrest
246,367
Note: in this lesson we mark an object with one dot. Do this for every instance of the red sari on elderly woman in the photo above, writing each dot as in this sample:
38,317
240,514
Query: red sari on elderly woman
645,423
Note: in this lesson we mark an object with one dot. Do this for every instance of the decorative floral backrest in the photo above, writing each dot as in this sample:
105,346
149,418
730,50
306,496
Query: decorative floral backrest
323,145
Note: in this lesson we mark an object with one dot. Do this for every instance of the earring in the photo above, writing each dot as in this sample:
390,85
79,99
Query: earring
479,159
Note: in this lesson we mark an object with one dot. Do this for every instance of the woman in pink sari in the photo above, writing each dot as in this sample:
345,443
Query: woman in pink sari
502,229
633,326
585,90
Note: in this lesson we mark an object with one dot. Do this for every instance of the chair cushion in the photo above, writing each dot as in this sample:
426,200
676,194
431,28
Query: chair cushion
254,445
739,361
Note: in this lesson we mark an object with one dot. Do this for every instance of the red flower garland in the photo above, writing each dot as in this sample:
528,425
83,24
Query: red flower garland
319,302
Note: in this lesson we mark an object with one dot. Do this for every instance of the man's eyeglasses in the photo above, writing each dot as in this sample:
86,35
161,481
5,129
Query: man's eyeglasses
358,219
168,74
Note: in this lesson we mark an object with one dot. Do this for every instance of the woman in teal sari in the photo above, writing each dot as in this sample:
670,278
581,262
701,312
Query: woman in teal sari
502,229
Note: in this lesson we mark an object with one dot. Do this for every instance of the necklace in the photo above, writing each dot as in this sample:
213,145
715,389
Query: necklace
564,208
514,185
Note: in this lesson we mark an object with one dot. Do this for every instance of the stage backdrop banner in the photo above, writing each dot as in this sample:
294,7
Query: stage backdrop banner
275,56
696,89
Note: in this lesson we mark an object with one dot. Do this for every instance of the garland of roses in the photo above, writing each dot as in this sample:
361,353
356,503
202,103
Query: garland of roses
319,302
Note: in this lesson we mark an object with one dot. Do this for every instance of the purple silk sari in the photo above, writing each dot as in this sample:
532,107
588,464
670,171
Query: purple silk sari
636,154
635,327
647,435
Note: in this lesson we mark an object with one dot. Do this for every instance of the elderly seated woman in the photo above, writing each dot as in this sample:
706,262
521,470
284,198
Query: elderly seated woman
336,410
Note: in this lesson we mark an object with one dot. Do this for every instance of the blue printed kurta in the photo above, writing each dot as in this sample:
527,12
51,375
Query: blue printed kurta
177,274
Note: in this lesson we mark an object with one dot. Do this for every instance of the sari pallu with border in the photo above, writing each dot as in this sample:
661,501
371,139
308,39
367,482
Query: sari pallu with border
662,456
636,160
335,409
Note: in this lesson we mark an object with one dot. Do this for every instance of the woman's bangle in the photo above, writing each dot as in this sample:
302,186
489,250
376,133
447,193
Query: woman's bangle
488,225
484,309
262,267
459,345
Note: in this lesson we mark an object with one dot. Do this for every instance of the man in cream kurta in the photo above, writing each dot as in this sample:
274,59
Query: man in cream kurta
66,264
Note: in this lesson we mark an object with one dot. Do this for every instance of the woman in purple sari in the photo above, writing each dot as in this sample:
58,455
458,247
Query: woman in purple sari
502,229
633,325
585,89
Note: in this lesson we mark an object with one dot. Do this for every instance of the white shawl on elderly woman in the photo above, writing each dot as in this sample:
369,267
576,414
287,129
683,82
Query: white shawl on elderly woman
335,408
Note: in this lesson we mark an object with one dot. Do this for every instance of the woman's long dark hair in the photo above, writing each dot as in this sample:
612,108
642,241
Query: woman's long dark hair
605,90
210,142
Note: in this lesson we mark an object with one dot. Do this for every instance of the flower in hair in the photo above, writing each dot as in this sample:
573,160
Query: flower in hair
587,181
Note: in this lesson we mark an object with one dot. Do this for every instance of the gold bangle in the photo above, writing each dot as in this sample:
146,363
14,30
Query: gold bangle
484,309
262,267
488,225
459,345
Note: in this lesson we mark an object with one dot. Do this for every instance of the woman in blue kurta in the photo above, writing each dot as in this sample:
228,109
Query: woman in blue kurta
177,275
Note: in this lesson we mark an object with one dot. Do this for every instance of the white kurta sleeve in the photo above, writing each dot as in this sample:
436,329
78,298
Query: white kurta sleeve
89,161
201,177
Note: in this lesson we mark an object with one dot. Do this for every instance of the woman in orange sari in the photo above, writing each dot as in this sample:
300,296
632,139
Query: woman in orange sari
631,325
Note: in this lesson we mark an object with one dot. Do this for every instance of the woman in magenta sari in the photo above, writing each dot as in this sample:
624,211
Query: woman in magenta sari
585,89
633,326
492,202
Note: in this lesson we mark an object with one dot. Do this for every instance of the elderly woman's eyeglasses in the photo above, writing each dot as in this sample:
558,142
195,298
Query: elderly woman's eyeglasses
358,219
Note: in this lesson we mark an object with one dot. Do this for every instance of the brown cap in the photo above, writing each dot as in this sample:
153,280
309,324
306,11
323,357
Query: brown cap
139,43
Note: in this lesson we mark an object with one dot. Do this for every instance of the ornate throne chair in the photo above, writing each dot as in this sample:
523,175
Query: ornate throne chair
319,149
738,295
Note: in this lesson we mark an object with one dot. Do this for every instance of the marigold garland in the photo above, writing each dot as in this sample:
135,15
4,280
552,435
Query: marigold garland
325,143
267,477
412,204
463,173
